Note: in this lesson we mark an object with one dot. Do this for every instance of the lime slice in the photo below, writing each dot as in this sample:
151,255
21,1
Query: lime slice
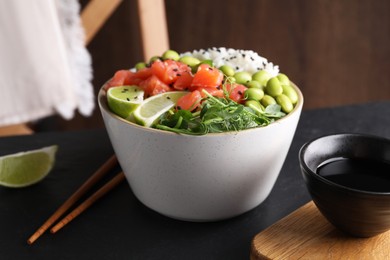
26,168
124,100
152,108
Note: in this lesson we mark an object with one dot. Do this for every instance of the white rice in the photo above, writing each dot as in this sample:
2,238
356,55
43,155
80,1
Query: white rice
240,60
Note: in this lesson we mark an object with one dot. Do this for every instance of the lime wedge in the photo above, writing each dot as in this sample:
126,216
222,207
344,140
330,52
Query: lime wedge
152,108
124,100
26,168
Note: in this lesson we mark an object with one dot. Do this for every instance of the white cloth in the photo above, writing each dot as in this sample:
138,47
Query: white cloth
44,66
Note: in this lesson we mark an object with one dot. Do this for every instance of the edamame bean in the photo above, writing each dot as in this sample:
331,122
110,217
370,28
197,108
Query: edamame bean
267,100
261,76
189,60
255,105
243,77
208,62
290,92
273,88
154,58
283,79
170,55
227,70
254,93
254,84
140,65
285,103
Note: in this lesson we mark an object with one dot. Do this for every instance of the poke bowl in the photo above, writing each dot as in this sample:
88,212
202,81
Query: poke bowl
206,176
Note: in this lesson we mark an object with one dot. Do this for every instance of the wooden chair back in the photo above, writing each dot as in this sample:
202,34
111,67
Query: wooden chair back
154,34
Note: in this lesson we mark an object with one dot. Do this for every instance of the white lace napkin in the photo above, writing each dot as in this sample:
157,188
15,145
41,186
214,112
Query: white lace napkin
44,67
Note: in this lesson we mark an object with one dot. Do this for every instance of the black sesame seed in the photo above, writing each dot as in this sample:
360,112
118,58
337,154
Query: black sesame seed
128,99
175,70
239,92
178,74
237,68
168,98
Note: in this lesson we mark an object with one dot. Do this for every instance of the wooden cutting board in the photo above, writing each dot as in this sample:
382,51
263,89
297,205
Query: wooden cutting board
306,234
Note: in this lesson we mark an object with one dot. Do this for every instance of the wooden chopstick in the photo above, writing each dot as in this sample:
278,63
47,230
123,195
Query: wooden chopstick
109,164
87,203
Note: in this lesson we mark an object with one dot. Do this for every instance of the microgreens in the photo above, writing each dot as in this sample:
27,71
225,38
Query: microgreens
218,115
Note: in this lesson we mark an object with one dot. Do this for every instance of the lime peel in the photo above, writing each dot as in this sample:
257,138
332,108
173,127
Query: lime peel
26,168
153,107
123,100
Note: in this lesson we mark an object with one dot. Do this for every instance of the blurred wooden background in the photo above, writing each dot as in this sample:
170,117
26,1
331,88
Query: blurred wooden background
338,52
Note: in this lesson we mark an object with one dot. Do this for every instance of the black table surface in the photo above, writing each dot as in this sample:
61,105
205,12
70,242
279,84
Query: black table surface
120,227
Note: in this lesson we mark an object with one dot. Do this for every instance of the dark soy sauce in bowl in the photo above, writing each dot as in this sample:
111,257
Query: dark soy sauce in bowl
348,178
361,174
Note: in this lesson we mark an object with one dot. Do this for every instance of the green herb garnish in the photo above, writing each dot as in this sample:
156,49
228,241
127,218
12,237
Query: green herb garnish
218,115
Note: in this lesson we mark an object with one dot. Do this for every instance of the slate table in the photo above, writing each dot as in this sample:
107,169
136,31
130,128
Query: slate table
120,227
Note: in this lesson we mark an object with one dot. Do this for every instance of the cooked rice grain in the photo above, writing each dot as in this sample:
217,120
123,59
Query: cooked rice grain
240,60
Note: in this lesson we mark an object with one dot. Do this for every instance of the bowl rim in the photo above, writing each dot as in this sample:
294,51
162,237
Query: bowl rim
102,102
318,177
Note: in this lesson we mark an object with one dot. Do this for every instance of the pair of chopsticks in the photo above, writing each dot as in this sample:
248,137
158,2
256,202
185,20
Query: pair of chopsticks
109,164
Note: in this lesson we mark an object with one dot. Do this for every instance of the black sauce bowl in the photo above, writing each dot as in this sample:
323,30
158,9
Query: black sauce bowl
357,212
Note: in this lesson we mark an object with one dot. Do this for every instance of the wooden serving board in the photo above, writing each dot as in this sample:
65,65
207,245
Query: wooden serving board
306,234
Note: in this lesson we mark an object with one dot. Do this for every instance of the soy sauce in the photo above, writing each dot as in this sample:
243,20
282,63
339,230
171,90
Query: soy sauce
361,174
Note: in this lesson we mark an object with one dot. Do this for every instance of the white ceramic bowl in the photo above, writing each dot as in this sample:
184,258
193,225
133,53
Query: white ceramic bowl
201,178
